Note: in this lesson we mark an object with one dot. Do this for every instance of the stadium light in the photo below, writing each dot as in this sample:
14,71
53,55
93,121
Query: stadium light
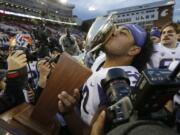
63,1
91,8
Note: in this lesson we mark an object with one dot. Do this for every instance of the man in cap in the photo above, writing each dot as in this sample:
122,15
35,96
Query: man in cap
126,49
155,35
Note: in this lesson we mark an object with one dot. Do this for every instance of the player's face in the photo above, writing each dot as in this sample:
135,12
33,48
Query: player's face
120,42
168,36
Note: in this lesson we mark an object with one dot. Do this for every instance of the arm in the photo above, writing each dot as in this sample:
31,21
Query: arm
98,125
16,80
44,69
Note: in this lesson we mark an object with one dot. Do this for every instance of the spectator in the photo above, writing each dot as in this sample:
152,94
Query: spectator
44,69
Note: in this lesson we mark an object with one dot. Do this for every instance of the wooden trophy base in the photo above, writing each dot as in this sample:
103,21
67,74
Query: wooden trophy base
19,117
24,119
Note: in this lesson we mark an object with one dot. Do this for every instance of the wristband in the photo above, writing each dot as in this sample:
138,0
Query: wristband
12,74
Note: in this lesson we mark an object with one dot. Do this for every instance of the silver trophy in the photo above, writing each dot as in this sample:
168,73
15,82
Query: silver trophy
100,32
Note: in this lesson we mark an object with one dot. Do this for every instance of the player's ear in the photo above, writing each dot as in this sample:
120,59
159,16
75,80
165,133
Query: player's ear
134,50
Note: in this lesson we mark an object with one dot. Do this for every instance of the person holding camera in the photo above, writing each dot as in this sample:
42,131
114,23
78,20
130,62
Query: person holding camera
43,69
128,48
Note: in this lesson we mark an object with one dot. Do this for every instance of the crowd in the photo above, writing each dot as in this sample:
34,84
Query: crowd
27,58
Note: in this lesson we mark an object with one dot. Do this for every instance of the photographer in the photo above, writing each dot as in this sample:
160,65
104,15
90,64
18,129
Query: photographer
43,68
128,48
16,81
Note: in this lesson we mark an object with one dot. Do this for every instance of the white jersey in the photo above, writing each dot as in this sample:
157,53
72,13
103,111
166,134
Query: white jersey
163,56
98,62
93,95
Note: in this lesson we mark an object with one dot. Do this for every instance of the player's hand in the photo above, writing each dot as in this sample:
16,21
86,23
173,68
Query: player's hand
67,102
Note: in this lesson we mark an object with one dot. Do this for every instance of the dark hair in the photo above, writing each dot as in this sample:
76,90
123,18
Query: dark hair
174,25
143,57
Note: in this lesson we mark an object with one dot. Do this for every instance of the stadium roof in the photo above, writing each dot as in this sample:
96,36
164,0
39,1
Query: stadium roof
34,17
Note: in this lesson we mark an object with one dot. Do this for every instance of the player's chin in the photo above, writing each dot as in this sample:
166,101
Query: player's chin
165,41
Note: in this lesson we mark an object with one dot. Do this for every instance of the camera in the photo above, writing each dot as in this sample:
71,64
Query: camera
29,55
154,88
117,87
52,59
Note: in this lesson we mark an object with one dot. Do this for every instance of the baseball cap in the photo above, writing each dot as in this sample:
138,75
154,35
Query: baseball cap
138,33
155,32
